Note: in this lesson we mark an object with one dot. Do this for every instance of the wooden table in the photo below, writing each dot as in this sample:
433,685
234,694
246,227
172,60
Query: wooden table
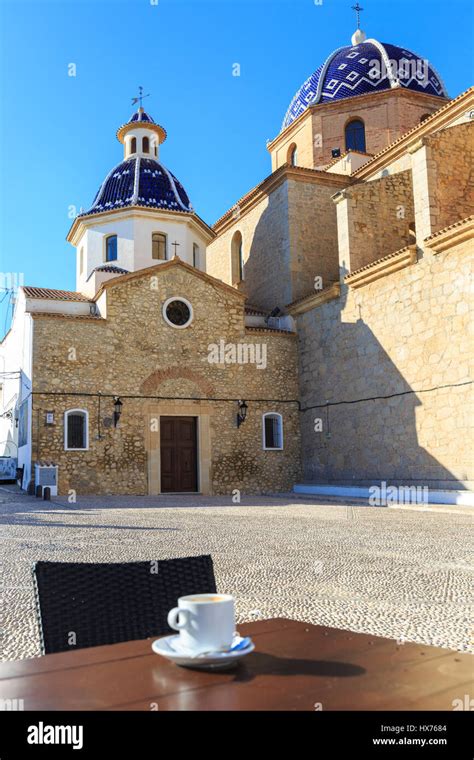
296,666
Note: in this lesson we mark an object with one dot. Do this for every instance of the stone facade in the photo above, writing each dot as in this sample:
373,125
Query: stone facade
374,220
374,384
135,354
386,369
289,237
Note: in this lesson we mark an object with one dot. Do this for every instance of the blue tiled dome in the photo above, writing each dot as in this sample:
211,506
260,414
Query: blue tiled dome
346,73
140,182
140,115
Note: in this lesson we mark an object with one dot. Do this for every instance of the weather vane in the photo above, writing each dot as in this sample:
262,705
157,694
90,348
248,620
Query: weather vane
357,9
140,97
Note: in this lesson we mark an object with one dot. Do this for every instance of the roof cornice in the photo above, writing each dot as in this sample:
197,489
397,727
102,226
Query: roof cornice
382,267
435,122
450,236
307,303
151,125
270,183
103,216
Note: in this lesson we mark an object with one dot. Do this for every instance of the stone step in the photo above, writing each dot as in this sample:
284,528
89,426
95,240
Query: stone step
399,496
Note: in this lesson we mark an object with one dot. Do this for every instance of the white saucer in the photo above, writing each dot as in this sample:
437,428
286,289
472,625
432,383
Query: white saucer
169,647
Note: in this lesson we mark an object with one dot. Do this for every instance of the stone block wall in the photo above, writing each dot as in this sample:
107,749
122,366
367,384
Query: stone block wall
313,237
407,335
374,219
266,247
289,238
451,174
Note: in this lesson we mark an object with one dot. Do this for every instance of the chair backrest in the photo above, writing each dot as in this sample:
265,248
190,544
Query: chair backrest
83,604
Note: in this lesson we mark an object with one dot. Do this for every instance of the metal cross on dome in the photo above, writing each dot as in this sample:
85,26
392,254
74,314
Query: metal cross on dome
140,97
357,9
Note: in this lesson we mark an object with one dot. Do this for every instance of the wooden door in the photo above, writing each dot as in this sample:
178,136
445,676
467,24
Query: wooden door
178,445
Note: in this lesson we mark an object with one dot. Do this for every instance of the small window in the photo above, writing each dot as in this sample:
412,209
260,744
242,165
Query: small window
272,431
195,255
178,312
355,135
424,117
81,260
293,155
145,145
133,145
76,434
158,246
111,248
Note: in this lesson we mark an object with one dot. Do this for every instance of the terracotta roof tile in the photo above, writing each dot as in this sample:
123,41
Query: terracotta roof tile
53,295
56,315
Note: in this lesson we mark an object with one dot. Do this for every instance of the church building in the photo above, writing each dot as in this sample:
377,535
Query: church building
318,333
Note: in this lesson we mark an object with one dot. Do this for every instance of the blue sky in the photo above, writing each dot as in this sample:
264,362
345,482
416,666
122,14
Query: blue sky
57,133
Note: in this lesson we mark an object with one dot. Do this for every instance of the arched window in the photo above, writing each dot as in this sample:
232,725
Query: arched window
355,135
293,155
145,145
133,145
424,117
237,258
76,430
158,246
195,255
272,431
111,248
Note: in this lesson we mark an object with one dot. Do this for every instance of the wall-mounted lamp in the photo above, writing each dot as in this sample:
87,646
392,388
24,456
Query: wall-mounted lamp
117,410
242,413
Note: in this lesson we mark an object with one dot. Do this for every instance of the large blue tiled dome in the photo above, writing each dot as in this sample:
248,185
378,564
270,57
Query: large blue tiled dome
140,181
346,73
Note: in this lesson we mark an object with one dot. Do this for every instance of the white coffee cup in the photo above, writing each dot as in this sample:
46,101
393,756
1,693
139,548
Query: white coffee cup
206,622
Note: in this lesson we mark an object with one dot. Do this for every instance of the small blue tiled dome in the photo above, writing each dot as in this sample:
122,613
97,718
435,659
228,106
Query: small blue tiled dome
140,182
363,68
140,115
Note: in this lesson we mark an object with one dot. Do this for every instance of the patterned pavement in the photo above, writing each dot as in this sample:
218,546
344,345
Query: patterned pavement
400,573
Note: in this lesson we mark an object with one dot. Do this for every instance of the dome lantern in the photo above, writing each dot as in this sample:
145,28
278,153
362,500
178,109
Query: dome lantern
141,136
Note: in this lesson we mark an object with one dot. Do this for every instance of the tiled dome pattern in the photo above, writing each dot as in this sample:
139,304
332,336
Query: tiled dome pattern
140,116
140,182
346,73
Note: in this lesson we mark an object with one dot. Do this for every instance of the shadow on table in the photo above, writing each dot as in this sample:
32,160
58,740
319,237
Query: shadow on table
267,664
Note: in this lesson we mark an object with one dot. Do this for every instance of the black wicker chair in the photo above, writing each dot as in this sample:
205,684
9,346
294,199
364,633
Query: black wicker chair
82,604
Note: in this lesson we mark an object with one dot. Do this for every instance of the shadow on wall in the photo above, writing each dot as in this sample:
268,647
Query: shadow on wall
294,240
371,438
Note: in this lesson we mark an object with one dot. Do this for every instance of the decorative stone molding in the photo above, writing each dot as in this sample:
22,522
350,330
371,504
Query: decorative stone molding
313,300
416,145
342,195
382,267
450,236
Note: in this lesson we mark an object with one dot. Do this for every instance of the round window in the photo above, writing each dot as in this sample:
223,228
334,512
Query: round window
178,312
